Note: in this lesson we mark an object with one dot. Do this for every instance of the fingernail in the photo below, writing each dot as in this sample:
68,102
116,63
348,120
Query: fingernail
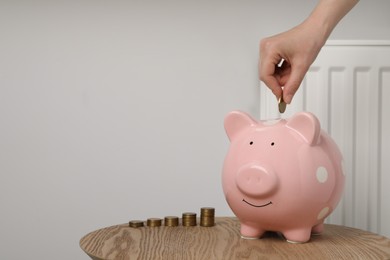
288,98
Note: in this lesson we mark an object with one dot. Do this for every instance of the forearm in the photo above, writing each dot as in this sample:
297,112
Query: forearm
327,14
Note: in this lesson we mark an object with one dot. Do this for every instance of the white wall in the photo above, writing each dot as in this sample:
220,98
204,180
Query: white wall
113,110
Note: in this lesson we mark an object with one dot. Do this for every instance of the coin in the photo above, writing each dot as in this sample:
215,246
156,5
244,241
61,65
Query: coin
171,221
207,211
189,223
136,223
207,217
189,219
153,222
282,104
207,221
188,215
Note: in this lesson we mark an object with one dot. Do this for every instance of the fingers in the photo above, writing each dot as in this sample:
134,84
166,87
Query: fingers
290,88
267,65
273,85
298,52
284,80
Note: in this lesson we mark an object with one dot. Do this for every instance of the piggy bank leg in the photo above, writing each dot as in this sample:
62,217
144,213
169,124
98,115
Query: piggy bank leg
317,229
297,235
250,232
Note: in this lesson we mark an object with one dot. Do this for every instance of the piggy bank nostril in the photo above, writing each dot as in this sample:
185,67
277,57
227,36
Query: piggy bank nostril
253,180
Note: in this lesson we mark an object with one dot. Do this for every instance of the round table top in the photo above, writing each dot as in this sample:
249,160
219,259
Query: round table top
223,241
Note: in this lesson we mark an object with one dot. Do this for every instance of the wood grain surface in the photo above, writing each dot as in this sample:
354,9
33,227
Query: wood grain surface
223,241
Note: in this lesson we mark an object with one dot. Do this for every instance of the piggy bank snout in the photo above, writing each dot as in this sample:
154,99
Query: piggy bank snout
256,180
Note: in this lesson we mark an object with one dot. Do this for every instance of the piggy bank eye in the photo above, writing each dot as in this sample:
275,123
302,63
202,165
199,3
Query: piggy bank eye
251,142
272,144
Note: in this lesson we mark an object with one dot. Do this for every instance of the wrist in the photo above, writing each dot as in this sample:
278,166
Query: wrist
317,31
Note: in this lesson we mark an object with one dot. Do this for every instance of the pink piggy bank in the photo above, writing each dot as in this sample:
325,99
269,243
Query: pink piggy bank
284,176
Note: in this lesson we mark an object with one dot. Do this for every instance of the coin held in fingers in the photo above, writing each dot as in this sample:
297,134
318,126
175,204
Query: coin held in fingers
282,105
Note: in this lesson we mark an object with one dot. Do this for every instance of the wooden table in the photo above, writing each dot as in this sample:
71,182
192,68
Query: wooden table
223,241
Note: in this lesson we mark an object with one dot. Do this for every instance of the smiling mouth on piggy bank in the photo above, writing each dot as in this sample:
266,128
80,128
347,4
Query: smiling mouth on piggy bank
257,206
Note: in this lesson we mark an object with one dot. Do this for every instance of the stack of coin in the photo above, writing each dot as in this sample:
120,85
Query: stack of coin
207,217
171,221
136,223
189,219
153,222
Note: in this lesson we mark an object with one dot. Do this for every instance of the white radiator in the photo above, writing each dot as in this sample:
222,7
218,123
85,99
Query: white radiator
348,88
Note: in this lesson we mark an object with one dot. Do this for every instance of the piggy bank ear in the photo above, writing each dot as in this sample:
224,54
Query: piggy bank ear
307,126
237,121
